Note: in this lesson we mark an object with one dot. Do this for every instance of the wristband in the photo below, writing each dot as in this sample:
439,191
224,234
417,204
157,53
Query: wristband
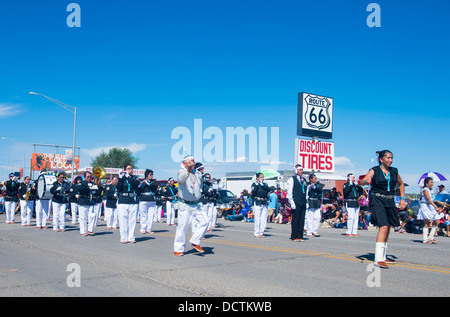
404,198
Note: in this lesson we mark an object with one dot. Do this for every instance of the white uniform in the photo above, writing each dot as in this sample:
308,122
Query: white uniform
170,213
260,195
10,210
42,206
26,210
313,215
59,215
189,209
147,211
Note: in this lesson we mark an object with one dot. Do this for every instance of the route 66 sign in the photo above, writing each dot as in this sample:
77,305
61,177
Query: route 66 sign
315,116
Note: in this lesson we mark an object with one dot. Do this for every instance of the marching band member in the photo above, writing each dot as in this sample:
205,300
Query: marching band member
42,211
190,184
146,192
86,213
60,192
27,194
260,194
209,199
97,201
352,195
159,203
73,199
313,215
12,187
111,204
383,179
127,205
170,193
296,194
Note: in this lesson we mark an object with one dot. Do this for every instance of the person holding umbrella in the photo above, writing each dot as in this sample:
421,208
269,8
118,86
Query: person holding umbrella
383,179
427,212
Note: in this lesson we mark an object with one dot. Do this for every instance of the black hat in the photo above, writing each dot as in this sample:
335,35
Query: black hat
198,165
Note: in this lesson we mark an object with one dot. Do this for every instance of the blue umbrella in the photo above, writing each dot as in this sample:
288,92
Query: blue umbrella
444,198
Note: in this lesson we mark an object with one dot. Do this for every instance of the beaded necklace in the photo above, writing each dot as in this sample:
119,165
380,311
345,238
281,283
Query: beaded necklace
388,178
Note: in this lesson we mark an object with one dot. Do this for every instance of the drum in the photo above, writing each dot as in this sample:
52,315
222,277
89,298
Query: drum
44,183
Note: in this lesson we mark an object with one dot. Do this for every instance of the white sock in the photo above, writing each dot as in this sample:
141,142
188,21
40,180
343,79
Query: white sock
432,232
384,250
379,251
425,234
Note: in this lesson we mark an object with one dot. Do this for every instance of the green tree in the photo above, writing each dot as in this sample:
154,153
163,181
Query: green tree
116,157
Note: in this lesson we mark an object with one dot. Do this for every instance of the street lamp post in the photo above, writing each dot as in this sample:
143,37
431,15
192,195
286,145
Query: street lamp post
24,152
74,111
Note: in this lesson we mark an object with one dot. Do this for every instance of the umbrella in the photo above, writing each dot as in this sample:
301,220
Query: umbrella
434,175
267,174
443,198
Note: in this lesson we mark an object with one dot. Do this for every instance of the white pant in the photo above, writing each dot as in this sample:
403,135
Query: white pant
170,213
42,207
157,217
74,211
26,210
214,217
352,220
86,218
59,215
147,211
313,217
10,209
209,210
194,215
260,213
97,212
127,221
111,217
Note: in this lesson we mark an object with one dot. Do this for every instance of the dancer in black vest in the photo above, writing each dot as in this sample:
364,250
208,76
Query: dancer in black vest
383,179
296,193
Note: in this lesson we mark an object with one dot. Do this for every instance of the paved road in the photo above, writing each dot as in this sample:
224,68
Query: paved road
37,263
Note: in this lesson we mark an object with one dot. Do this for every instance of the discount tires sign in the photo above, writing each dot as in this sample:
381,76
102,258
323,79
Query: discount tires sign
314,156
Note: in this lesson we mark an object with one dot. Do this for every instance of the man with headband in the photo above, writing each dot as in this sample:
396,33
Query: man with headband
296,193
353,193
190,183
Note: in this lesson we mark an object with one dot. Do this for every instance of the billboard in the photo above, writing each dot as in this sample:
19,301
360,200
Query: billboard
43,162
317,156
315,116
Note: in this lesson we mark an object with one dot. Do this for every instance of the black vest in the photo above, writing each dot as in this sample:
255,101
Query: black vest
299,191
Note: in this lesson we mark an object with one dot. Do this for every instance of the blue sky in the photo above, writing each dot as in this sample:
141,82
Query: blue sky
136,70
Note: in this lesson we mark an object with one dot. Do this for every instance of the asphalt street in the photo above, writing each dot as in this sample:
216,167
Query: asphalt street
235,264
